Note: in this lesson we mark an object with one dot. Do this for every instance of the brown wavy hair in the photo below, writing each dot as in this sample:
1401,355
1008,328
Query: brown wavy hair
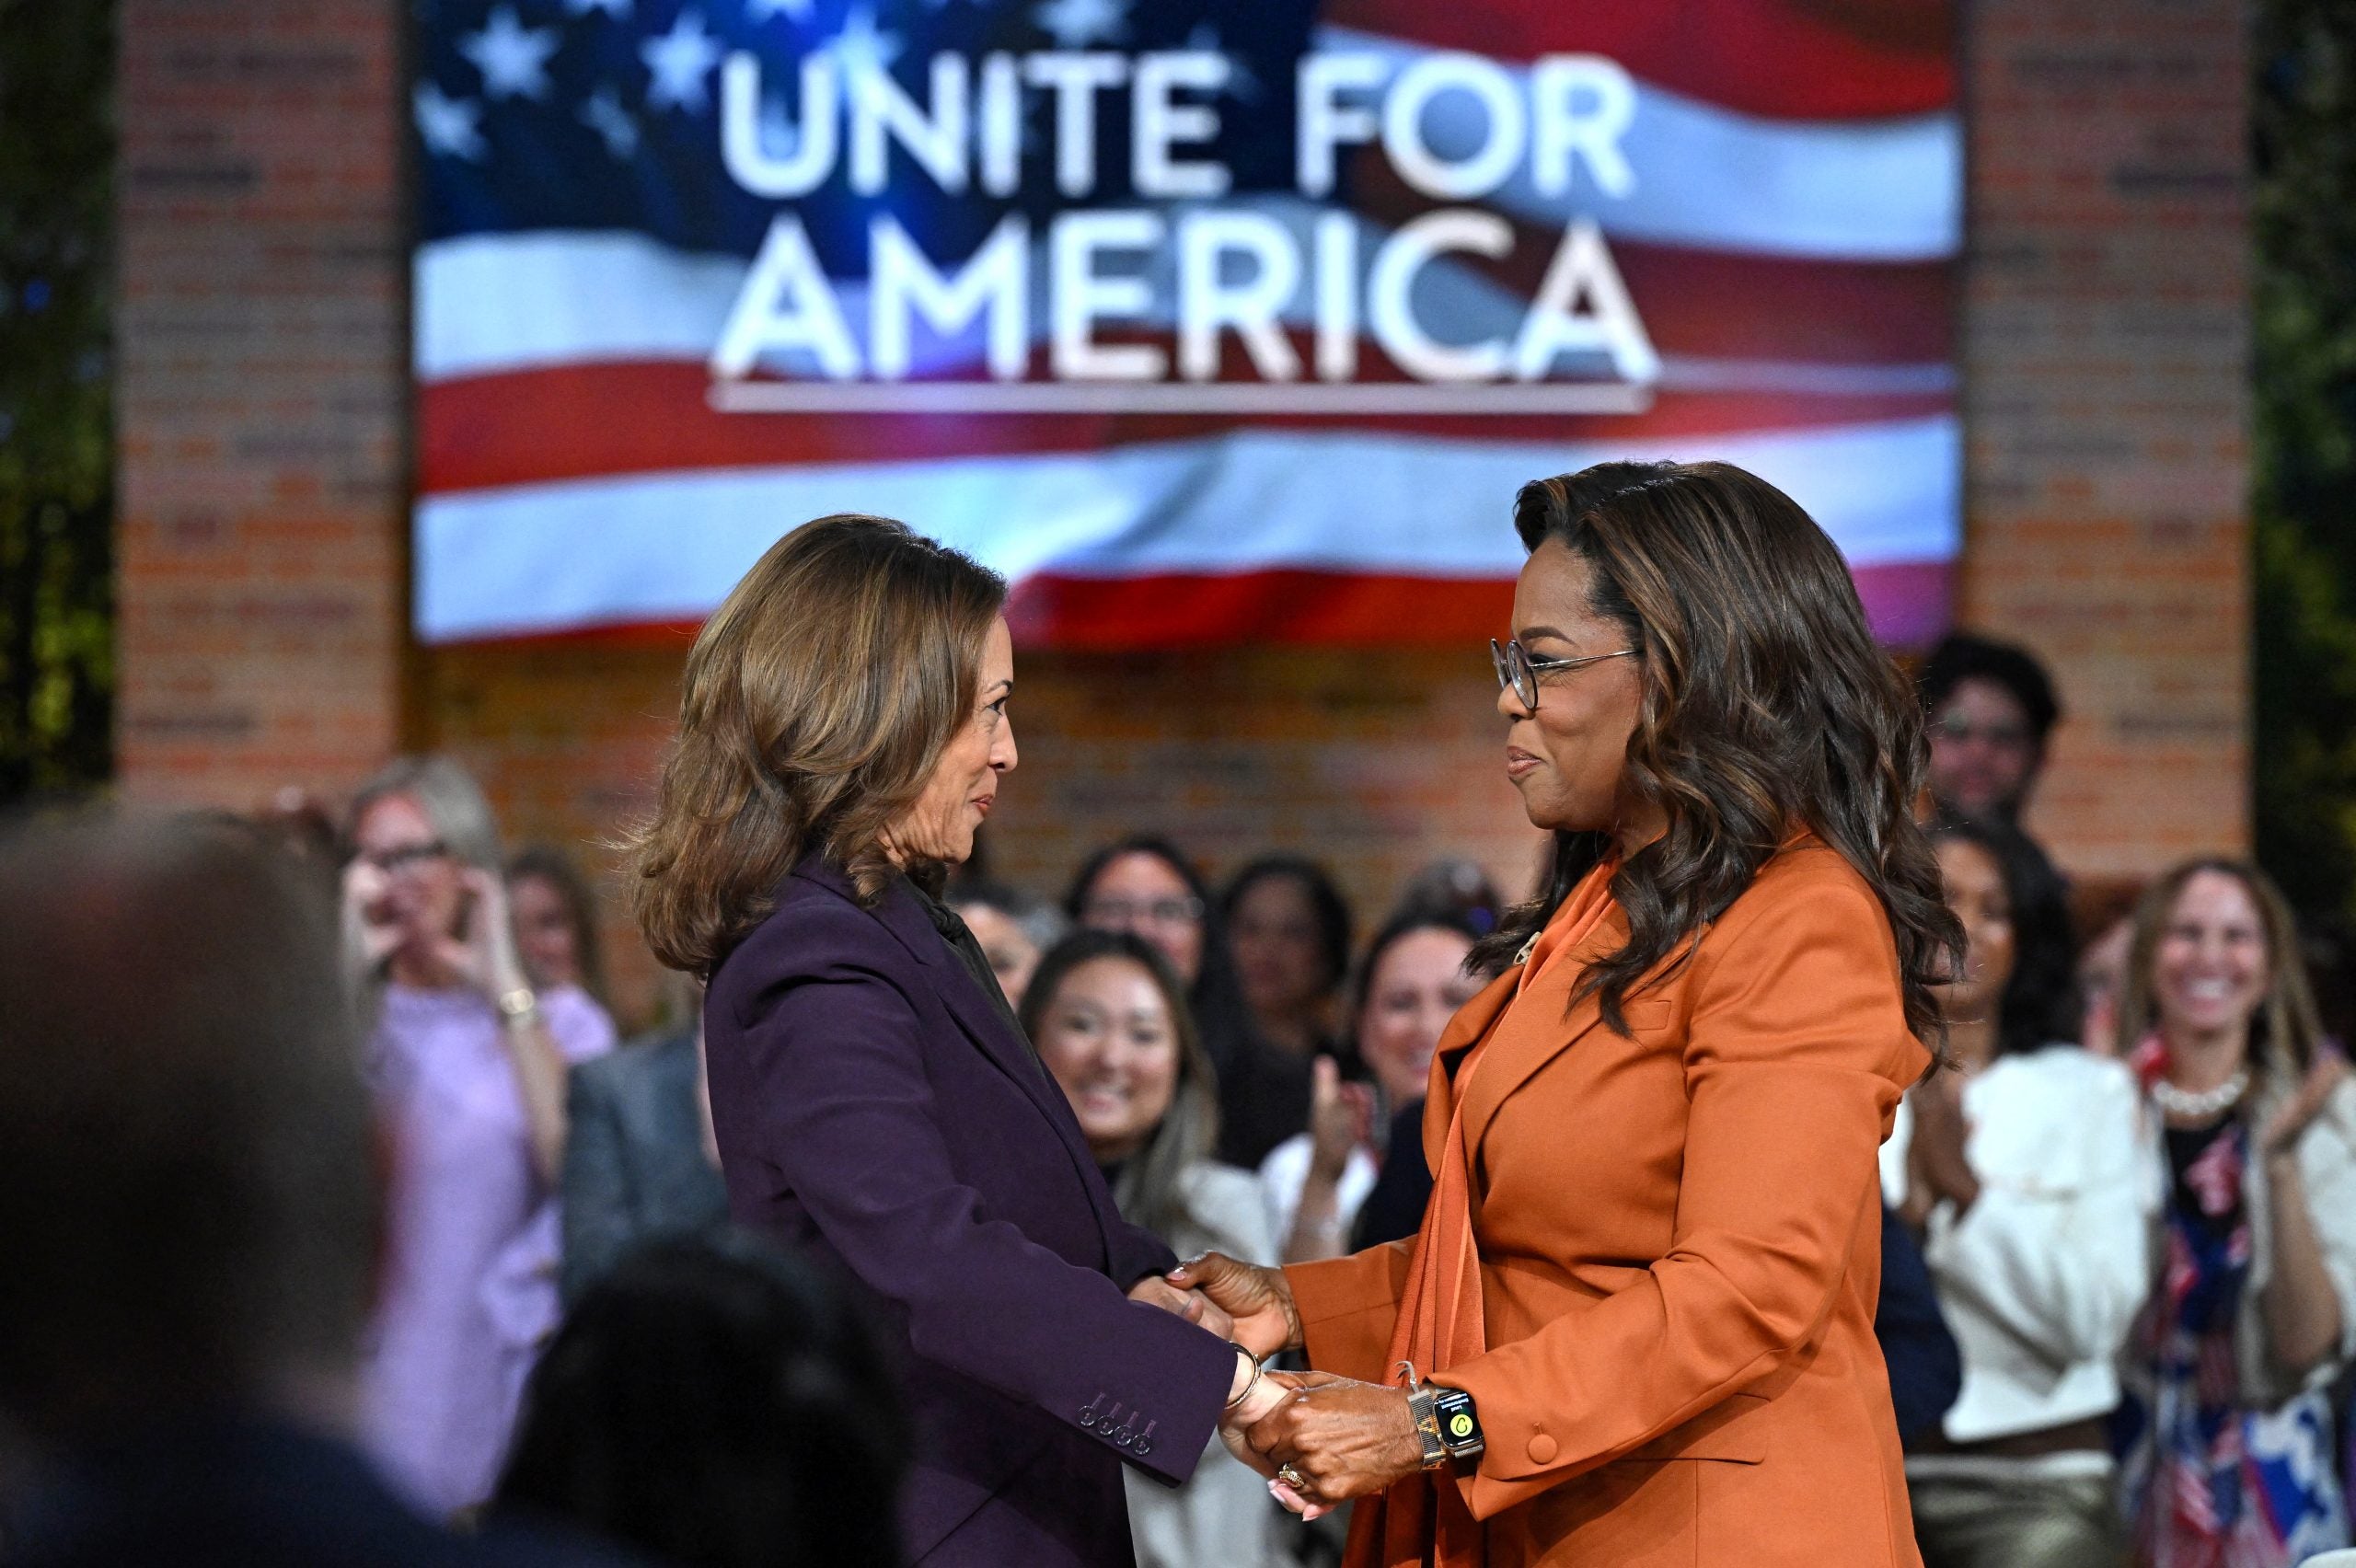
817,701
2286,1031
1767,710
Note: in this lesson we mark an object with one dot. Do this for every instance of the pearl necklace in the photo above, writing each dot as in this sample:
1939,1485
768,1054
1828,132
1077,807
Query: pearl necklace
2185,1105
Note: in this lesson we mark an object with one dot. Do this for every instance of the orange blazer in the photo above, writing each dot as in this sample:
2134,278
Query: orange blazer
1680,1241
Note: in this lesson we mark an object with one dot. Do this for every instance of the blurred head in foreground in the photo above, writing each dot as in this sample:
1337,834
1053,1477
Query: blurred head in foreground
186,1181
715,1404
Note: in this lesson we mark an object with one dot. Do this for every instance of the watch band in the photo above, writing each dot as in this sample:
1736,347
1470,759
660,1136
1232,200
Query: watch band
1422,1404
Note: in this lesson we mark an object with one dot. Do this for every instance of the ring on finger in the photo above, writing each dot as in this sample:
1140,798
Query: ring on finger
1293,1479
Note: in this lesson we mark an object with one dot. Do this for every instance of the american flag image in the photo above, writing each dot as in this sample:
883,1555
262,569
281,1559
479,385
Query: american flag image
1202,320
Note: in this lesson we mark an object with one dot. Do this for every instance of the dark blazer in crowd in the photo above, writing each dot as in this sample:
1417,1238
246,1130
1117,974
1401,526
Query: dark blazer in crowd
1393,1209
876,1109
1926,1367
634,1161
248,1494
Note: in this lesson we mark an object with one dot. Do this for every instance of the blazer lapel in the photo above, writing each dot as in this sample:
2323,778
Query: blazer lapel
1471,1022
1538,1024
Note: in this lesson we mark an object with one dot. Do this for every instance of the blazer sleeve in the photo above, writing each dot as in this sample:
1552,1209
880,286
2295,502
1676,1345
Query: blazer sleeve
847,1117
1796,1054
594,1184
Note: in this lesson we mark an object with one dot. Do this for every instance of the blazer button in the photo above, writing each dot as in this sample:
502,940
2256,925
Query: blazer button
1145,1445
1543,1449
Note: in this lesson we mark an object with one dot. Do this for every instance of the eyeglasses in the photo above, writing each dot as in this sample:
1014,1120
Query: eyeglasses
1959,731
1117,914
1516,669
403,856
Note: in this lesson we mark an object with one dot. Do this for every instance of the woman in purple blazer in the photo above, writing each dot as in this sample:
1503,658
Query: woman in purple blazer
843,731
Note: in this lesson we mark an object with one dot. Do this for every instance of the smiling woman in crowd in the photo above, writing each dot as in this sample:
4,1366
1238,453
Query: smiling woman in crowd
2255,1309
1411,982
2024,1168
1110,1019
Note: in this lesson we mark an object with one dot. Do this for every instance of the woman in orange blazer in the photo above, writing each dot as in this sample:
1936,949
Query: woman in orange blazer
1639,1315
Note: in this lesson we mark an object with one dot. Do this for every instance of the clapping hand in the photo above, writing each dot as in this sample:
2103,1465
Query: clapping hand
2290,1119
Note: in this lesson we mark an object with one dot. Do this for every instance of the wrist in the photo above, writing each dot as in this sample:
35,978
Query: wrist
517,1003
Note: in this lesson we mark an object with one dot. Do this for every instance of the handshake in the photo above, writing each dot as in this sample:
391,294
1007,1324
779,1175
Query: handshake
1320,1440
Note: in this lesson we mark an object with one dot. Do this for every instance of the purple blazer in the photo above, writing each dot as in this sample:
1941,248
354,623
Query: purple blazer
875,1110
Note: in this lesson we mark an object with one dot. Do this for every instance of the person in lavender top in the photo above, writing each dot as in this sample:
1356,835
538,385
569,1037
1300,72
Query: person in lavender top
468,1063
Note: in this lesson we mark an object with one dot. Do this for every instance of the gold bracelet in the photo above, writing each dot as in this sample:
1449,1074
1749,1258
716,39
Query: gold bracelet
1251,1383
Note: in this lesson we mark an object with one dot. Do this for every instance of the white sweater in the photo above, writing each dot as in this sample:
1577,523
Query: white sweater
2041,1279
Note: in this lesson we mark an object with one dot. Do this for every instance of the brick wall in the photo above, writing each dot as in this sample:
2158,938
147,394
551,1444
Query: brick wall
2104,350
260,396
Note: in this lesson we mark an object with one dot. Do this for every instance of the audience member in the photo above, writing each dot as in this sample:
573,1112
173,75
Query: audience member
640,1159
1144,886
1991,707
2228,1420
1456,889
714,1404
1109,1016
2024,1167
556,922
1926,1367
187,1188
1290,928
1410,983
1014,929
469,1061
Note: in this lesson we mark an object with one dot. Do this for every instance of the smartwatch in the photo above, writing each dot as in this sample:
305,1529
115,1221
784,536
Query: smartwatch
1460,1423
1447,1424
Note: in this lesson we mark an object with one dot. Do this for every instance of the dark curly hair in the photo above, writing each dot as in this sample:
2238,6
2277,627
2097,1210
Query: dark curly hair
2040,996
1767,709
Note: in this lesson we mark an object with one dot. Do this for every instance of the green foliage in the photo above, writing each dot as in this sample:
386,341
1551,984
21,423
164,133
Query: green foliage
56,437
2304,499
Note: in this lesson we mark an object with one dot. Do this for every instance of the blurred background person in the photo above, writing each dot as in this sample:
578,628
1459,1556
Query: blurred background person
640,1159
193,1224
468,1060
1290,928
2025,1171
1456,888
1014,928
1411,982
556,922
1143,885
1991,707
1109,1016
2227,1424
715,1403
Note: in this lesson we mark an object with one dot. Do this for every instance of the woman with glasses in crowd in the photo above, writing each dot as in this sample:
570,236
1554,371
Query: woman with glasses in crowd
1143,885
1636,1327
1412,981
2228,1420
2023,1168
469,1059
1109,1018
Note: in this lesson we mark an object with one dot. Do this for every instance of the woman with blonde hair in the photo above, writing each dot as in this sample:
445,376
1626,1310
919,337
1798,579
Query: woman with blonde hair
468,1062
2230,1457
843,732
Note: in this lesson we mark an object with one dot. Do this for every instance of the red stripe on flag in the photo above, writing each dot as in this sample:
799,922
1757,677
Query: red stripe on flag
1907,604
587,421
1789,59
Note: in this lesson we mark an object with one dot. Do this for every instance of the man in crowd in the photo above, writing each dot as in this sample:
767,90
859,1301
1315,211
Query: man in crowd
187,1189
1991,706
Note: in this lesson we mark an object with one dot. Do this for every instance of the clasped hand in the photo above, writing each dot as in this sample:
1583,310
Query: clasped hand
1320,1439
